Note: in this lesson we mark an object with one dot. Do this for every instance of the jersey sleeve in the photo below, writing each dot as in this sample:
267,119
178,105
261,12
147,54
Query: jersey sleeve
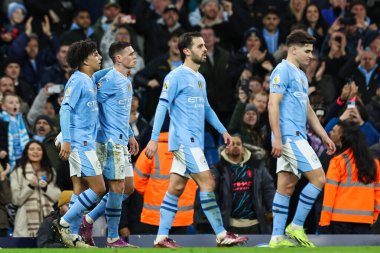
279,80
168,93
73,93
169,88
100,74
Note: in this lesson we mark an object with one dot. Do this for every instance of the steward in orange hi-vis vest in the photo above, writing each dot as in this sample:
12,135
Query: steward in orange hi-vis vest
346,199
151,179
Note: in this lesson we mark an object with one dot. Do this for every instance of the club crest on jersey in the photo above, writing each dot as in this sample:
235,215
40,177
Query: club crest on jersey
99,84
68,91
200,84
166,85
129,87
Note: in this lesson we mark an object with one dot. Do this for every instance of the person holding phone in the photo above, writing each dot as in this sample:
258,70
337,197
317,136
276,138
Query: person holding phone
33,189
356,114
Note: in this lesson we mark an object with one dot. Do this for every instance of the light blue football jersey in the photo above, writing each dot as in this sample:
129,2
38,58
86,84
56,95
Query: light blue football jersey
184,94
80,100
114,97
292,83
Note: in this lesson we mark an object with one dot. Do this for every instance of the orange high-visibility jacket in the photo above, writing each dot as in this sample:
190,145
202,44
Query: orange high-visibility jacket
151,178
345,198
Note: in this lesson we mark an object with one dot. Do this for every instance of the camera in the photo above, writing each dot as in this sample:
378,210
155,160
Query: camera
338,39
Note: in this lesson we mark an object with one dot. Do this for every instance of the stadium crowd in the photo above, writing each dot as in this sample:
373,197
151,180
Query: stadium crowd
245,40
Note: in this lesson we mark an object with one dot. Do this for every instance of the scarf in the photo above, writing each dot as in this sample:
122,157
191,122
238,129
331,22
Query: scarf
24,137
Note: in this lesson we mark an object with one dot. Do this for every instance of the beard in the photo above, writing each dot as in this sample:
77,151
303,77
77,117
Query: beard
197,60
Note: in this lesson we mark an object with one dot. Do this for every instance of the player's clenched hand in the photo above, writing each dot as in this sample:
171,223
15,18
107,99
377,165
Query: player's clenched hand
133,146
277,148
65,151
227,139
151,149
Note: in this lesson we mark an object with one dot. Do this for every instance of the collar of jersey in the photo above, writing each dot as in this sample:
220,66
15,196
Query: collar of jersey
191,70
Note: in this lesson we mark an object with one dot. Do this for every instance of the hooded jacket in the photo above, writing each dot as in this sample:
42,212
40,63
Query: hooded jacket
263,186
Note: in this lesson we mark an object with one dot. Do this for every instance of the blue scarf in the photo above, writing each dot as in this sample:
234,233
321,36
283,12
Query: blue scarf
24,137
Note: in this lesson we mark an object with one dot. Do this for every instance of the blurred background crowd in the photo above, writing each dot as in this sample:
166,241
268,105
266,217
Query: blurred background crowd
245,41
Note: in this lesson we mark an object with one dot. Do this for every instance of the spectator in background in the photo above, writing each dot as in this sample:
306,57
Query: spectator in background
59,72
266,82
359,10
337,9
139,125
80,28
316,25
7,86
253,57
152,76
255,84
244,188
364,70
151,10
215,70
250,11
151,178
356,114
273,34
42,104
33,190
336,55
294,13
46,238
248,127
9,31
45,133
260,101
14,135
12,68
120,31
318,80
33,58
216,15
351,201
373,108
59,12
372,40
157,33
348,92
111,10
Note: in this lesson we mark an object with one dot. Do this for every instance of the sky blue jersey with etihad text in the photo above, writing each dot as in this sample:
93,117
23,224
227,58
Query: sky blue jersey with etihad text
291,82
114,96
184,94
79,112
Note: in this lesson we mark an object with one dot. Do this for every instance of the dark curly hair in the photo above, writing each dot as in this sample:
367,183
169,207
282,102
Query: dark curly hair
79,51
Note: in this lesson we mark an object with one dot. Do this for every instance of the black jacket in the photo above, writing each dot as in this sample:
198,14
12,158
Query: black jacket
263,188
46,238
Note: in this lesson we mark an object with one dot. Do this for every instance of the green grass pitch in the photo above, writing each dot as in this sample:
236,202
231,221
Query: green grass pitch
364,249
